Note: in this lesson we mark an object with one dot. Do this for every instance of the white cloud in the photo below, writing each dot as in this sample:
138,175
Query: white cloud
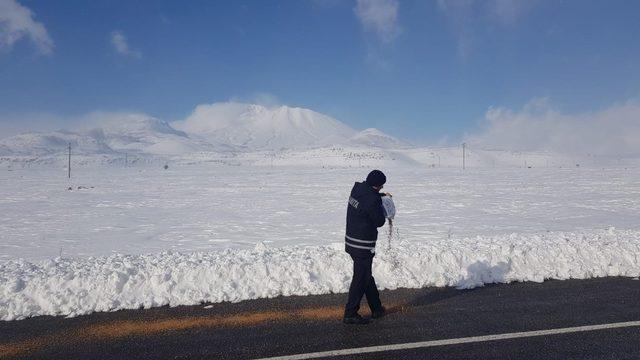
614,131
16,22
459,14
13,124
17,123
119,42
379,17
211,117
507,12
260,98
465,14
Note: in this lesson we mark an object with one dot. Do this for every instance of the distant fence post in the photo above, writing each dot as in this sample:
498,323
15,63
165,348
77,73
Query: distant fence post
464,145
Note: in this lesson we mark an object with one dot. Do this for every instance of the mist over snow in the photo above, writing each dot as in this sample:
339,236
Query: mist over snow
276,127
258,127
218,127
139,133
41,144
105,133
236,126
376,138
614,131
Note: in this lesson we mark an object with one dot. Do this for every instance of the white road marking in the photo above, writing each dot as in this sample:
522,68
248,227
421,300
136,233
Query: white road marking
465,340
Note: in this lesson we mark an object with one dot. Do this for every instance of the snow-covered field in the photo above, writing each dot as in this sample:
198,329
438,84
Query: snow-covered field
145,236
141,210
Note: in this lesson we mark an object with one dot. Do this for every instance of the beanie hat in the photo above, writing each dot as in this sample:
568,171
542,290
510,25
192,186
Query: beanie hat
376,178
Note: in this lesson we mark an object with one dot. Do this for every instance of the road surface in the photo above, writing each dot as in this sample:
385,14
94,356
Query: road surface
439,323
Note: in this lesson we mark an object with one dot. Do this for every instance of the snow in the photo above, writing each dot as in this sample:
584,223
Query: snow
258,127
219,127
261,225
252,204
205,206
39,144
116,133
141,133
376,138
65,286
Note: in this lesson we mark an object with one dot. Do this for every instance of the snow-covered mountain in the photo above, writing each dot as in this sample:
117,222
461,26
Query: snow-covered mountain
40,144
376,138
257,127
218,127
116,133
141,133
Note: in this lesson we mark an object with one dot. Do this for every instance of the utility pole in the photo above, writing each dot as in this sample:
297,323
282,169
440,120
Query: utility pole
126,160
464,146
69,160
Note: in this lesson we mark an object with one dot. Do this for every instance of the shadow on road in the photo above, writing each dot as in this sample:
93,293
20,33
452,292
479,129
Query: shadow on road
479,275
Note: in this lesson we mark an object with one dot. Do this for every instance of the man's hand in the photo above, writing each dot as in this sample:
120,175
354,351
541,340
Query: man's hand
388,194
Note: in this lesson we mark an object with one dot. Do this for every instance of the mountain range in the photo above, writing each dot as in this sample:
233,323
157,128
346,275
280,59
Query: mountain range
216,127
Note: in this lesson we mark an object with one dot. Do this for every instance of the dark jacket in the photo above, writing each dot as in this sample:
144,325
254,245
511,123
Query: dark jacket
364,217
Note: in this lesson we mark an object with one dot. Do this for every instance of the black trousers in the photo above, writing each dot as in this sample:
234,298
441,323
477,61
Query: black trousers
362,283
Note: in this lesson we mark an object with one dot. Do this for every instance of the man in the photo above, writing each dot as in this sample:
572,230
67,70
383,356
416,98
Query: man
364,216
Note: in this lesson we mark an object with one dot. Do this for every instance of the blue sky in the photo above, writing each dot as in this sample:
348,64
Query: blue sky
422,70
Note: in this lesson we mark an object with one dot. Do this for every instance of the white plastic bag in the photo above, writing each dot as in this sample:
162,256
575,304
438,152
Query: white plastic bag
388,207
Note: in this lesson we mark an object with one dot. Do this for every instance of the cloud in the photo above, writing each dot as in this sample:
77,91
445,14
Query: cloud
24,122
507,12
465,15
614,131
14,124
119,42
18,123
325,4
211,117
260,98
504,12
16,22
379,17
459,14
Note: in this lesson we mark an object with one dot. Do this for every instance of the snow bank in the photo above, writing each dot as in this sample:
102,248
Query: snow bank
67,286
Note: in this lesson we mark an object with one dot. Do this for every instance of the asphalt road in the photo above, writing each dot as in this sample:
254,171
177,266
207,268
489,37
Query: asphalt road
294,325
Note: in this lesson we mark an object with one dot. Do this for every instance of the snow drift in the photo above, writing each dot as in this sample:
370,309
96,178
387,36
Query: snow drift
68,286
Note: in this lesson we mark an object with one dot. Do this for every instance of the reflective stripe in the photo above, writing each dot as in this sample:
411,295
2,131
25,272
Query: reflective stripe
353,202
360,247
360,241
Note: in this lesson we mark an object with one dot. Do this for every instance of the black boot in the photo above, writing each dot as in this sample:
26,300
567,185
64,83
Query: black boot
377,314
355,319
